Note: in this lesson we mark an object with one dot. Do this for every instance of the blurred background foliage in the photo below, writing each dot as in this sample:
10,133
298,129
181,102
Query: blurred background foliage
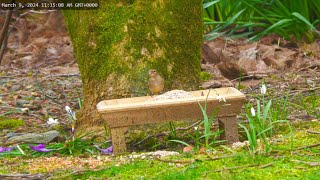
291,19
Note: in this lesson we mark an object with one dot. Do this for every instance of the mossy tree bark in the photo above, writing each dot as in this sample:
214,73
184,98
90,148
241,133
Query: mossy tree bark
116,45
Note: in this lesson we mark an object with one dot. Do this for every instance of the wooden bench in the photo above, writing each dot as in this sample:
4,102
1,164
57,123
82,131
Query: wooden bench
119,114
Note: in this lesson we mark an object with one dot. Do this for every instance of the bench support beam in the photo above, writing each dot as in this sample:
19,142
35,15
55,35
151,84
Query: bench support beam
118,140
229,126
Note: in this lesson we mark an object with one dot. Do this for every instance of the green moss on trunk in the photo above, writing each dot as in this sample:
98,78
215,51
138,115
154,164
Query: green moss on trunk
116,45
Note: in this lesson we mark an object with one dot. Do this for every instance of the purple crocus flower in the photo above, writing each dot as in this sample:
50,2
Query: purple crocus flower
4,149
107,151
40,148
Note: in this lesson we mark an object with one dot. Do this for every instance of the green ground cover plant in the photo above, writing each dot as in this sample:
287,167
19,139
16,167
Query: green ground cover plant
262,123
276,157
256,18
210,137
239,164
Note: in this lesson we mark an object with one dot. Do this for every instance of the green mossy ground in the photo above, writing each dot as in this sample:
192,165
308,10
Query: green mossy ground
6,123
282,163
281,169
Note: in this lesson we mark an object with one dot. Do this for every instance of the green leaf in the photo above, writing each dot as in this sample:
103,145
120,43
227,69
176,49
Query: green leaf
208,4
181,142
231,21
281,23
266,111
303,19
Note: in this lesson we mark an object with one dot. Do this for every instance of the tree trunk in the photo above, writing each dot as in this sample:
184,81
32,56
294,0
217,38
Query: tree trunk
116,45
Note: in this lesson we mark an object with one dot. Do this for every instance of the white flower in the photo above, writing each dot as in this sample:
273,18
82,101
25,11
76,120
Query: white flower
68,109
195,128
71,113
253,112
52,121
263,89
221,98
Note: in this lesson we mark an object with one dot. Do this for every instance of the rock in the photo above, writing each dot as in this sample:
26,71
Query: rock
211,84
21,103
15,88
34,137
212,56
212,51
248,65
226,83
50,92
249,62
3,81
12,134
35,94
277,57
29,87
285,58
212,69
187,149
250,53
24,110
231,70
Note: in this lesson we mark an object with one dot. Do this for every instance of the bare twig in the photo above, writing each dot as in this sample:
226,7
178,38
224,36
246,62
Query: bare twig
79,172
253,76
315,66
177,161
5,27
12,76
314,154
221,157
308,163
312,132
150,136
62,75
245,166
140,142
189,127
309,146
4,33
193,160
25,13
266,165
22,176
299,148
236,167
299,91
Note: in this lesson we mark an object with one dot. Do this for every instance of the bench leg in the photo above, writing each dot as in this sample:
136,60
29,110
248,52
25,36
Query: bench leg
118,140
230,128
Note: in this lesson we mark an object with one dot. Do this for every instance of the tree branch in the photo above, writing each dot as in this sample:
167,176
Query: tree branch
4,32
